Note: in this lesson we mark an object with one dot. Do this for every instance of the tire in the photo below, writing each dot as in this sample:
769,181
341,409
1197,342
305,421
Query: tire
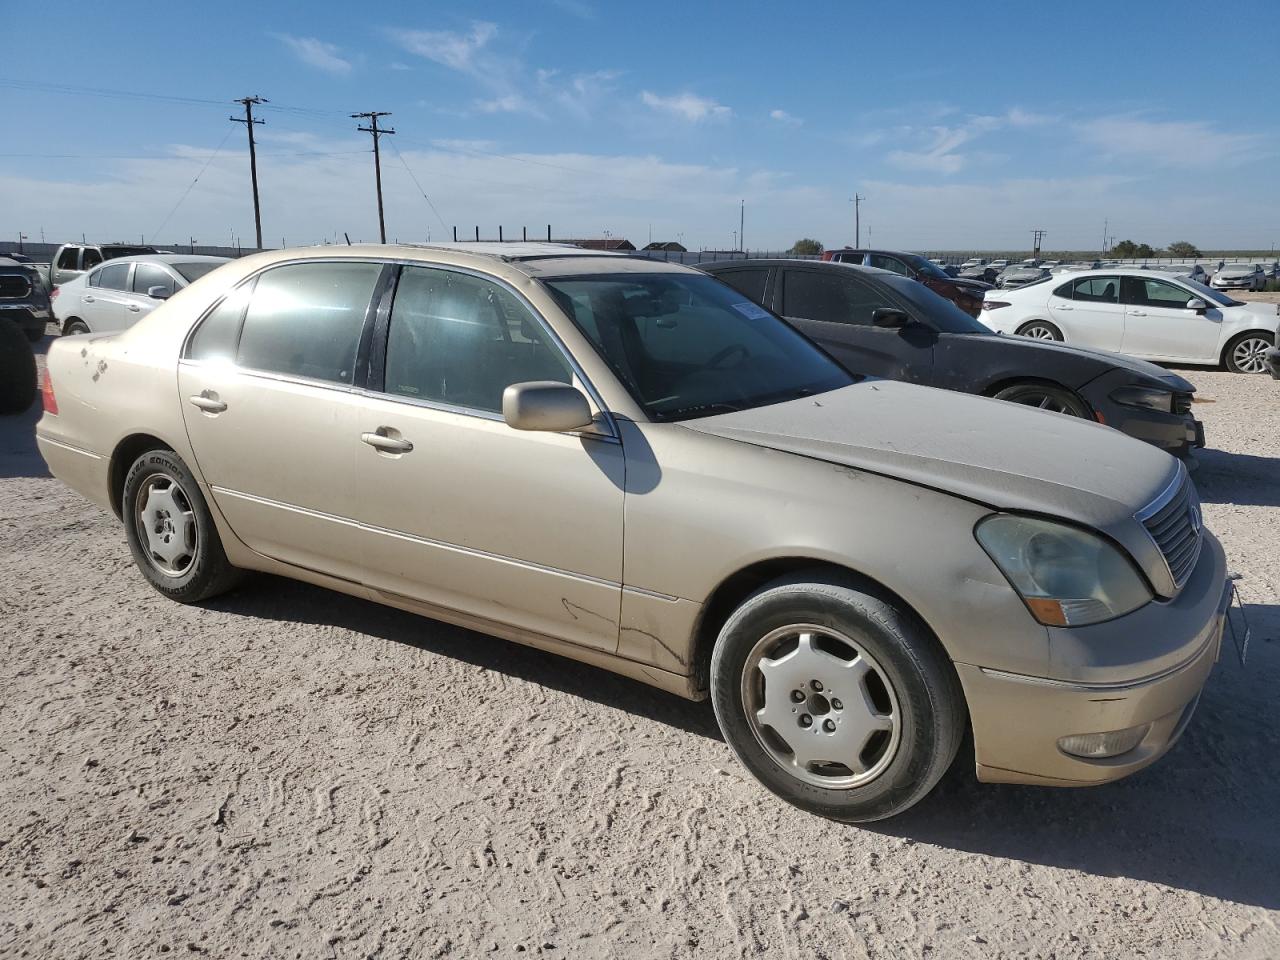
1247,352
906,711
34,336
182,557
17,369
1046,396
74,327
1040,330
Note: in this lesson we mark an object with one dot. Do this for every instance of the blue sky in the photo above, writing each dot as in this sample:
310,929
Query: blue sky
964,127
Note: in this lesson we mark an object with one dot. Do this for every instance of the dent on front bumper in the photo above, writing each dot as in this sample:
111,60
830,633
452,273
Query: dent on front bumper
1168,649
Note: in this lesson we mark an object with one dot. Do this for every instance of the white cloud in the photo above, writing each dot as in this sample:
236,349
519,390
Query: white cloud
783,117
686,106
316,53
937,148
458,51
1193,143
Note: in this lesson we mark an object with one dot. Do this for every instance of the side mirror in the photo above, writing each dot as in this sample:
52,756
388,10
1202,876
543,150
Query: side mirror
890,317
1198,305
545,405
158,293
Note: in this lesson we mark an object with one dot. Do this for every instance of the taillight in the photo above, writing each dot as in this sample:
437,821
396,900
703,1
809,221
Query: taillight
53,294
994,304
46,394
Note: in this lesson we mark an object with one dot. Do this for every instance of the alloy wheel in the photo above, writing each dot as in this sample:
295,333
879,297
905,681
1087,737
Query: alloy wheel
1250,354
1038,331
821,706
166,525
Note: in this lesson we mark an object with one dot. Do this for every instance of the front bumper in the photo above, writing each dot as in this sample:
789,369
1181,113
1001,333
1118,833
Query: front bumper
29,316
1273,362
1018,720
1175,433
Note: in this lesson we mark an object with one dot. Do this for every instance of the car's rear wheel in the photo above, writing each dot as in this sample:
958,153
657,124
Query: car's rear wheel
1045,396
17,369
170,531
74,326
1040,330
1247,353
836,698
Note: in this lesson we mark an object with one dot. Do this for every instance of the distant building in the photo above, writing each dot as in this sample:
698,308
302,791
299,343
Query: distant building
607,243
670,246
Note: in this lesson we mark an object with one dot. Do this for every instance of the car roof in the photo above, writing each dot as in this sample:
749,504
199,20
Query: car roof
717,265
166,258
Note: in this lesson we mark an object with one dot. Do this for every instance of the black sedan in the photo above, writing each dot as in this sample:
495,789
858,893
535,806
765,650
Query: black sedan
881,324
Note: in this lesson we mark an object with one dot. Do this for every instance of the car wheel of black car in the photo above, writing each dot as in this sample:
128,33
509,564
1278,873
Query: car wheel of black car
836,697
17,369
1040,330
1247,353
170,531
75,326
1045,396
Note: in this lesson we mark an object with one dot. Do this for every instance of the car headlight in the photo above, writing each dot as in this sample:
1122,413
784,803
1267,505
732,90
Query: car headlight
1067,577
1149,398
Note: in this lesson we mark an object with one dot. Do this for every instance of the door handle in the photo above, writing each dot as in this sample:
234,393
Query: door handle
86,299
380,441
1137,313
209,404
134,307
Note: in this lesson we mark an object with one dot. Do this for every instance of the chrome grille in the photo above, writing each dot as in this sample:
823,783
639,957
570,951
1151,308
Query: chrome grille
14,286
1174,522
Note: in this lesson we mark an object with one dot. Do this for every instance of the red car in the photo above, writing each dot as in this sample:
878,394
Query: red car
965,294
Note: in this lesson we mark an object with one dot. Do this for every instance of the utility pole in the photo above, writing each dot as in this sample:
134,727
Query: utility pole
857,220
1105,224
373,128
248,120
742,216
1038,235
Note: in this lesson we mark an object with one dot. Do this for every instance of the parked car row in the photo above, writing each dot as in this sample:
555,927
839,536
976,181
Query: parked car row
634,464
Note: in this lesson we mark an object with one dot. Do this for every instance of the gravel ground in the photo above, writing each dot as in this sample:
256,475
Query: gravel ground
291,773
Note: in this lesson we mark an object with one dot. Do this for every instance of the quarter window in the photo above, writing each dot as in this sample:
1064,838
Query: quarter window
810,295
305,320
1096,290
67,258
115,276
215,338
462,340
148,275
92,257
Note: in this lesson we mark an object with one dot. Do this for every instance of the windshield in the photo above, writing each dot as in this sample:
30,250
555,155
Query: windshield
690,346
927,268
1208,293
194,271
941,312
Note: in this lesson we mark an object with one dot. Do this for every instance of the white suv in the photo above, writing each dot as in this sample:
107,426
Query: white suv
1156,316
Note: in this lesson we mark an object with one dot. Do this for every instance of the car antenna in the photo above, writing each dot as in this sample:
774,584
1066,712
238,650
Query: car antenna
345,234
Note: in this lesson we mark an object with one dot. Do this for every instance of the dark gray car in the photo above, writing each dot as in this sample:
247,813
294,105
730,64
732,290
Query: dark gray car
23,298
880,324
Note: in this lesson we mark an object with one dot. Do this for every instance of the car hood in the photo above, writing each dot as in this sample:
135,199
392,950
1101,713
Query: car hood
1001,454
1114,361
977,287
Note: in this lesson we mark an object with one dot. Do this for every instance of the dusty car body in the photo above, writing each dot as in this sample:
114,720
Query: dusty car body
806,556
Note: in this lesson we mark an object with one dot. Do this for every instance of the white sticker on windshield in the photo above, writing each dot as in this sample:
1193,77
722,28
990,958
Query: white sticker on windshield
751,311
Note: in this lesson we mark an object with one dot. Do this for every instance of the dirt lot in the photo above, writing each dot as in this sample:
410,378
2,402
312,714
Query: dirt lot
291,773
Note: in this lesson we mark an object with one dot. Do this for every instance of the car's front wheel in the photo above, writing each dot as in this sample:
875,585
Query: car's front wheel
1045,396
170,531
1247,353
1040,330
836,697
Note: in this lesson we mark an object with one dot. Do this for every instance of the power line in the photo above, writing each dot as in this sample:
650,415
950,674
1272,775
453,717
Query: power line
373,128
249,122
165,221
417,184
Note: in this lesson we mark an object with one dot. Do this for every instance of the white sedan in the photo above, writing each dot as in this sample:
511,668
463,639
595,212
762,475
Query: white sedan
119,293
1139,312
1240,276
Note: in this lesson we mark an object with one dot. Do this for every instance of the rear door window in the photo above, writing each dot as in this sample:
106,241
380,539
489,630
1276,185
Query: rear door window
67,258
882,262
92,257
114,276
829,296
1141,292
305,320
748,282
1096,290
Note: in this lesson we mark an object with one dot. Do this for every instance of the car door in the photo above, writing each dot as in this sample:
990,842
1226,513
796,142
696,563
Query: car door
1088,311
102,298
458,511
138,302
1158,325
834,307
267,385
